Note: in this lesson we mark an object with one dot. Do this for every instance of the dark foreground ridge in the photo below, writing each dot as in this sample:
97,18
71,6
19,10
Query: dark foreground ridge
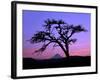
73,61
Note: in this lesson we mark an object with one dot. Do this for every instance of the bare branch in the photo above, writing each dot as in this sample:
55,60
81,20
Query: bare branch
76,29
70,41
43,48
55,45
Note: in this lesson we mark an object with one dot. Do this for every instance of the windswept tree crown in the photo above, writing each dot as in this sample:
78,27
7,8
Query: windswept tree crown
63,38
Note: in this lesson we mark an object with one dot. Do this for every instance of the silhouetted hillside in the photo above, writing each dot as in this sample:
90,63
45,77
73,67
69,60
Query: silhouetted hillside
73,61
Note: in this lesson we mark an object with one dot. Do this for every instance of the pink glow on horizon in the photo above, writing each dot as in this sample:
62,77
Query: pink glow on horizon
49,53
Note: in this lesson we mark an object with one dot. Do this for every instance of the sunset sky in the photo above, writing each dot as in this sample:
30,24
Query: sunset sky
33,21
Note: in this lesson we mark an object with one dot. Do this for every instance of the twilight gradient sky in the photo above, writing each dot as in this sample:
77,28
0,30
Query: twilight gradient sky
33,22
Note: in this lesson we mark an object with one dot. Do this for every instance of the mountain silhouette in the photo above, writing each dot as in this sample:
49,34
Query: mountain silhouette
56,56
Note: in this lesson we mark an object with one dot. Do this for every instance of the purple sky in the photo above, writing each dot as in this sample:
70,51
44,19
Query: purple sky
33,22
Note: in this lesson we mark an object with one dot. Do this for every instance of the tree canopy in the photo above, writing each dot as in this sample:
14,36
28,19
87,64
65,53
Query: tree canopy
64,38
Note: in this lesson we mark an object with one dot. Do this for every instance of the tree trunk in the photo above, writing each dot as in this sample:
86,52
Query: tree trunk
67,50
